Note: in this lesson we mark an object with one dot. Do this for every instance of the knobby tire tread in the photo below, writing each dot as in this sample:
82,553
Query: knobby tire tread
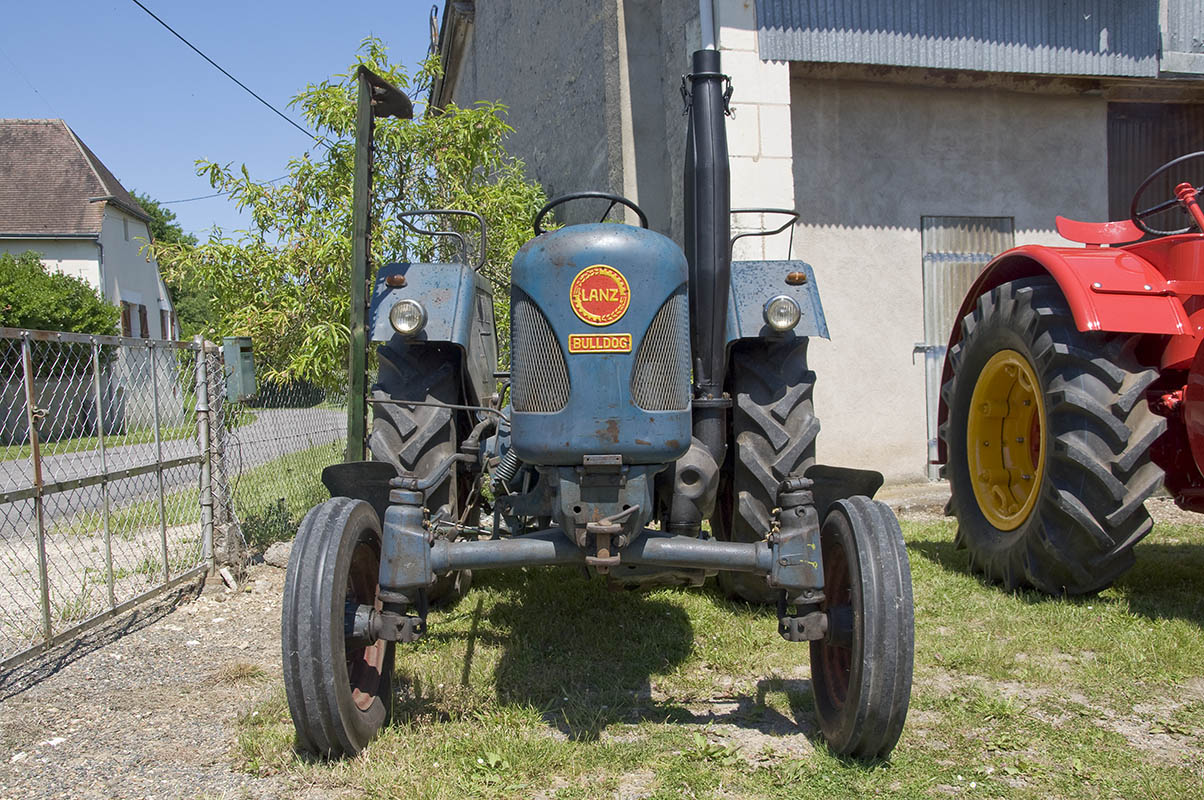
418,439
773,435
1090,511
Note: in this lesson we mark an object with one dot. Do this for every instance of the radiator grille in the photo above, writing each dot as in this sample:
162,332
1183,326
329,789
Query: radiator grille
661,378
539,376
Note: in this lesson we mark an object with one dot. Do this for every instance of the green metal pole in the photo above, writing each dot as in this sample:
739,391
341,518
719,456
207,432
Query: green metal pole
361,197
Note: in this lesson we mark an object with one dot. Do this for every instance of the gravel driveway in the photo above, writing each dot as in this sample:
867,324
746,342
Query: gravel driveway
149,714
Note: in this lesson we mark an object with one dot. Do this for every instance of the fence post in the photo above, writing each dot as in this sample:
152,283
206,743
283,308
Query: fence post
150,351
104,470
31,417
202,423
223,517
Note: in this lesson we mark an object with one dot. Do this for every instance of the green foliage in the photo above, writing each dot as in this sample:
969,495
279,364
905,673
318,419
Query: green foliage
31,297
272,523
189,297
285,281
163,225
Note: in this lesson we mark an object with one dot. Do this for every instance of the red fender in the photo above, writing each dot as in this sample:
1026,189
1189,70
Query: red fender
1107,289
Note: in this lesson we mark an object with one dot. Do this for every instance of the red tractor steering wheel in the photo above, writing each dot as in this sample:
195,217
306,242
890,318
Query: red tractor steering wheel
1139,217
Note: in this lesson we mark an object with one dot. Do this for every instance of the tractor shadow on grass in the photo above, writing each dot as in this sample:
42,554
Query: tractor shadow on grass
588,658
1166,582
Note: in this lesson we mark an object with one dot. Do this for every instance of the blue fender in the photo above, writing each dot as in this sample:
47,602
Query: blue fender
459,310
753,283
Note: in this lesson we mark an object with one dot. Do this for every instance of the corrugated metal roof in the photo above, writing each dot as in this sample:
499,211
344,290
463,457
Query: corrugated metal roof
1044,37
1185,26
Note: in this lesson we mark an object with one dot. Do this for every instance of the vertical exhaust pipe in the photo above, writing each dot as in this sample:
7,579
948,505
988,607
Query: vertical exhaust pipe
707,235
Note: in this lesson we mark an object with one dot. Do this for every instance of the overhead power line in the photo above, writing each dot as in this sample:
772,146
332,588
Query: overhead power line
30,83
207,196
219,68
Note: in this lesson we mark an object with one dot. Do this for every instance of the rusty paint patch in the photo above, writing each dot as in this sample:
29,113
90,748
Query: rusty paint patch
610,433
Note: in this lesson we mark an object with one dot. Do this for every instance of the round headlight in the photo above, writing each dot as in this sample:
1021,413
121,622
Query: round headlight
407,317
782,313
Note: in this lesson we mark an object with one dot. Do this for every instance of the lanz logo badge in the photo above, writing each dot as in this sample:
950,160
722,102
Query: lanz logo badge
600,295
599,342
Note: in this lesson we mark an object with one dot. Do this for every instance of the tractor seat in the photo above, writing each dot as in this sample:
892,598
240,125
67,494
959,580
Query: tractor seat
1121,231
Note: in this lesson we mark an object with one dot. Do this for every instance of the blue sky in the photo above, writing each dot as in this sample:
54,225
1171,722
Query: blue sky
149,107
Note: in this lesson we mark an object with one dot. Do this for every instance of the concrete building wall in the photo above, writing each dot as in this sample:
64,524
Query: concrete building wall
869,160
758,133
591,108
78,258
130,274
558,73
660,39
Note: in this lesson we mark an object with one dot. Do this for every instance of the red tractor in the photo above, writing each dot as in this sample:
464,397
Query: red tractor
1073,386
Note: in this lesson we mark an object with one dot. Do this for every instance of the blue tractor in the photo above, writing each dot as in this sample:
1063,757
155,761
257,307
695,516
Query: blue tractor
650,390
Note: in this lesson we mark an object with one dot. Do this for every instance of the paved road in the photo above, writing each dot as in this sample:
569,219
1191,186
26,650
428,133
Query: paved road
274,433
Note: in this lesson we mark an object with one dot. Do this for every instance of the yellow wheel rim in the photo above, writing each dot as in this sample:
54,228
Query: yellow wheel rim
1005,447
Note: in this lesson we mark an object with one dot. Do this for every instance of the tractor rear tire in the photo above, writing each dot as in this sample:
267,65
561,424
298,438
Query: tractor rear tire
339,696
418,439
1062,512
861,670
773,436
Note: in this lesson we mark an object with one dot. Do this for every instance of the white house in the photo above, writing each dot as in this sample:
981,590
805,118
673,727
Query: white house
58,199
916,140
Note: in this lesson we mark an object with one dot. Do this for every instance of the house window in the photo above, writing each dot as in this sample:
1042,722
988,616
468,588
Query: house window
165,323
145,332
126,330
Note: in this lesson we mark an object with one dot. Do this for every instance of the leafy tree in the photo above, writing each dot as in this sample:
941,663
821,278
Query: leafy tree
189,297
31,297
163,225
285,281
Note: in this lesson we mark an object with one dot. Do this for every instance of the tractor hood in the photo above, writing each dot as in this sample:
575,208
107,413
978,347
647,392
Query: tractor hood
600,347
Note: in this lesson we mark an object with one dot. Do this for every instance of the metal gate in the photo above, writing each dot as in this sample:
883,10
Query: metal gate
955,250
105,498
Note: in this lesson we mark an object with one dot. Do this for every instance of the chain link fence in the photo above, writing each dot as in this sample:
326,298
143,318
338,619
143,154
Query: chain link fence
268,457
124,471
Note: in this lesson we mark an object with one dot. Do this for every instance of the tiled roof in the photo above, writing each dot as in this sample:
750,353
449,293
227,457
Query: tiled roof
50,182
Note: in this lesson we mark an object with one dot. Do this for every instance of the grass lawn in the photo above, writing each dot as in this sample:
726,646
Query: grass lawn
541,684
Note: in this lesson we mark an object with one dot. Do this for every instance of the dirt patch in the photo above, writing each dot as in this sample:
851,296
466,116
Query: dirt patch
918,502
78,574
1145,726
1165,512
636,785
925,502
147,710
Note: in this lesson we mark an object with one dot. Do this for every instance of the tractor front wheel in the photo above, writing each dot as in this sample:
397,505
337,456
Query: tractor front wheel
861,671
339,693
1048,442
